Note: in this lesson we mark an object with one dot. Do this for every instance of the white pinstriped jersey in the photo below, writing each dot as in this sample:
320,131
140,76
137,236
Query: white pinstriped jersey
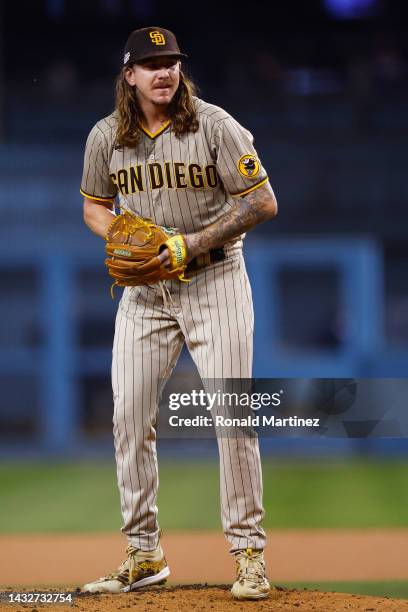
186,183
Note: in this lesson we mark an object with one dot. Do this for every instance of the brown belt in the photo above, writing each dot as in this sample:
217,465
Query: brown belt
206,259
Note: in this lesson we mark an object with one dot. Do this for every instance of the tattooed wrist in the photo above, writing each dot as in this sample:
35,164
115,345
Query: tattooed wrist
246,212
194,245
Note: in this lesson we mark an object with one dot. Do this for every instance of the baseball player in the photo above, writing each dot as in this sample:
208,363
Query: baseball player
166,155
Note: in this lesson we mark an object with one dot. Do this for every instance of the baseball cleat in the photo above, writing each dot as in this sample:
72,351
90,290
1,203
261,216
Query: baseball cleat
251,582
141,568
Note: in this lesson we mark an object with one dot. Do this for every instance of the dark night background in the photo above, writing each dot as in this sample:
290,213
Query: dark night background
323,87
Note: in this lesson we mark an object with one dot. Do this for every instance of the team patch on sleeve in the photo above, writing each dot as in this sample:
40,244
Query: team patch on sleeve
248,166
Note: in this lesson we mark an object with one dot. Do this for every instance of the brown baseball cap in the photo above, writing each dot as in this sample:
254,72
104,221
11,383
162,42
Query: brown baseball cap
150,42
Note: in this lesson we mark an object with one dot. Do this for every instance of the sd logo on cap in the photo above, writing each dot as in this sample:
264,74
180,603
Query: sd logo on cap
157,38
150,42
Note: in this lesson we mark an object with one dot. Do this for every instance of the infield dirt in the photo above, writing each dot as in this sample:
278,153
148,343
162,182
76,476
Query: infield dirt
69,560
218,599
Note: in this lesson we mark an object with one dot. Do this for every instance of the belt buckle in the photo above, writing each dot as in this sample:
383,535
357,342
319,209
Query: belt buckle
203,260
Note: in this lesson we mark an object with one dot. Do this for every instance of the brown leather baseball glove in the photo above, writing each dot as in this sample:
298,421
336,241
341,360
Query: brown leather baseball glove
133,245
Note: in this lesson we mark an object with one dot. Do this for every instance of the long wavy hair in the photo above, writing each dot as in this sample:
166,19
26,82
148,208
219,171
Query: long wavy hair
181,110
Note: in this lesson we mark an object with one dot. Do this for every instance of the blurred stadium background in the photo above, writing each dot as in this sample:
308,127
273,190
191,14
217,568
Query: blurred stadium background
323,87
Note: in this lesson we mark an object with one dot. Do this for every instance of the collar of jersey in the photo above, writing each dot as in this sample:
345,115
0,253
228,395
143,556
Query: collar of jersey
159,131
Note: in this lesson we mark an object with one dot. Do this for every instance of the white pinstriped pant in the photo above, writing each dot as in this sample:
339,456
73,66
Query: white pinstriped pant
213,314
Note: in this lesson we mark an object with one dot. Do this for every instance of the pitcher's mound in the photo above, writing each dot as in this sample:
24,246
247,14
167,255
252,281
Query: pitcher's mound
195,597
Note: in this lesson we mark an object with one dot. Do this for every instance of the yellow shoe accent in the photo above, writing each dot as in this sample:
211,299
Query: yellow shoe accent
251,582
141,568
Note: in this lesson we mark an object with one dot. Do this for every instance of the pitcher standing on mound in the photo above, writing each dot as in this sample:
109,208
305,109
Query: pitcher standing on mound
171,157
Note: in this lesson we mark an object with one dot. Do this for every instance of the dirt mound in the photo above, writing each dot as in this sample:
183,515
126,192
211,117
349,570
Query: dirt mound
218,599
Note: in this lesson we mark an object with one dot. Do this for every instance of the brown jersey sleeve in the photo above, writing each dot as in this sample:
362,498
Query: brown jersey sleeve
237,162
96,181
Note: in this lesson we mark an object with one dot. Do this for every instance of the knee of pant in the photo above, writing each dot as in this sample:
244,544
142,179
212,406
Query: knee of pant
136,424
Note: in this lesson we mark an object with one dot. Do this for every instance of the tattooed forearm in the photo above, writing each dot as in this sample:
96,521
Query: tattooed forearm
258,206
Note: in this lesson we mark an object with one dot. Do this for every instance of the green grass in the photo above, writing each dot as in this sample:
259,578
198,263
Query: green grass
357,494
394,590
41,497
